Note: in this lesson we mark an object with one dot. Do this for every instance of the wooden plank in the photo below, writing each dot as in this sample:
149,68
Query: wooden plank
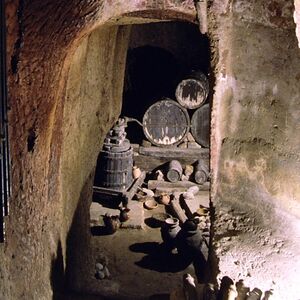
149,163
174,152
201,7
123,196
157,184
178,211
5,186
106,191
137,183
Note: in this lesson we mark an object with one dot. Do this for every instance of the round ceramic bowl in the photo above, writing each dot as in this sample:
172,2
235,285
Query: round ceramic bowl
171,221
150,203
202,211
159,218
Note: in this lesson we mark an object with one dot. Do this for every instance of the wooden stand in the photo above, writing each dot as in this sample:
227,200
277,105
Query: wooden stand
121,196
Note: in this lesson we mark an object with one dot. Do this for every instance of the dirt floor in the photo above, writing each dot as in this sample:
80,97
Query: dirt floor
140,267
137,262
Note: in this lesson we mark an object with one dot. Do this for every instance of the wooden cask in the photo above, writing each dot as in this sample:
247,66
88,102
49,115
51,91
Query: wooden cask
116,169
201,174
200,125
192,92
166,123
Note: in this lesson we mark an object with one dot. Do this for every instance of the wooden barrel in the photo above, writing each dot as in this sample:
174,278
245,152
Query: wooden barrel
192,92
200,125
201,172
174,171
116,169
166,123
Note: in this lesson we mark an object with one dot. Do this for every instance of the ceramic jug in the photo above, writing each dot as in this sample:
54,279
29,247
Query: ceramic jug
169,231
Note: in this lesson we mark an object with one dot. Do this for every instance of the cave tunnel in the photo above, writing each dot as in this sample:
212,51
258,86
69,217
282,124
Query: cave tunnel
156,62
159,56
71,70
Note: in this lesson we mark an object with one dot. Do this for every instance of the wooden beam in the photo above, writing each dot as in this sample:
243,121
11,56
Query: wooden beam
201,7
174,152
158,184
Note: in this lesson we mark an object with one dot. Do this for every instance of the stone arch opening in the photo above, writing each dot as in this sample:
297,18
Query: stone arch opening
93,103
255,158
159,56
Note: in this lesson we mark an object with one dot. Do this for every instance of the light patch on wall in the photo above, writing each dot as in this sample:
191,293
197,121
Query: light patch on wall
275,89
232,109
234,169
297,19
285,194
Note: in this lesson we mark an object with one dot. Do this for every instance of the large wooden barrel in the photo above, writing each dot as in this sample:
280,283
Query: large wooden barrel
166,123
192,92
116,169
200,125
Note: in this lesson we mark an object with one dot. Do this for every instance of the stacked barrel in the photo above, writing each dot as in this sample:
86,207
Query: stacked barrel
168,122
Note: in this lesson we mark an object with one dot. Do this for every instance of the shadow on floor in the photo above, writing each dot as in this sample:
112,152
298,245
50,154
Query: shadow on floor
99,230
160,259
157,258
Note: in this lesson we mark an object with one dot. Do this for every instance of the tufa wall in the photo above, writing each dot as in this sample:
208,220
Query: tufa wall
51,127
255,152
92,103
55,136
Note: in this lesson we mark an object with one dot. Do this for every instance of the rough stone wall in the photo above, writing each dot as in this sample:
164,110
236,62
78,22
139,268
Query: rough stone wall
255,151
92,104
42,38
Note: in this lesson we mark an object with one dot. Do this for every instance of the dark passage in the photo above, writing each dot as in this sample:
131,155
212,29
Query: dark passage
158,58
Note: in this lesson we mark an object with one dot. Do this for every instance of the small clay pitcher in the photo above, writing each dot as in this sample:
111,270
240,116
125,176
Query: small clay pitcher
164,199
136,172
124,216
169,231
111,223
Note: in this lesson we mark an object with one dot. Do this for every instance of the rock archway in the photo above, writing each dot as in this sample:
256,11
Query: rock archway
255,155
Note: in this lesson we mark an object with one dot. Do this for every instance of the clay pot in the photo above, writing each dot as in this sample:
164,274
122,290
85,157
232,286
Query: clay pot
111,223
189,239
193,189
188,171
159,175
255,294
202,211
124,216
231,293
242,290
136,172
164,199
169,232
150,203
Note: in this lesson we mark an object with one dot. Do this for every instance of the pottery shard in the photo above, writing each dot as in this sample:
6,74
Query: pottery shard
188,170
148,192
193,189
